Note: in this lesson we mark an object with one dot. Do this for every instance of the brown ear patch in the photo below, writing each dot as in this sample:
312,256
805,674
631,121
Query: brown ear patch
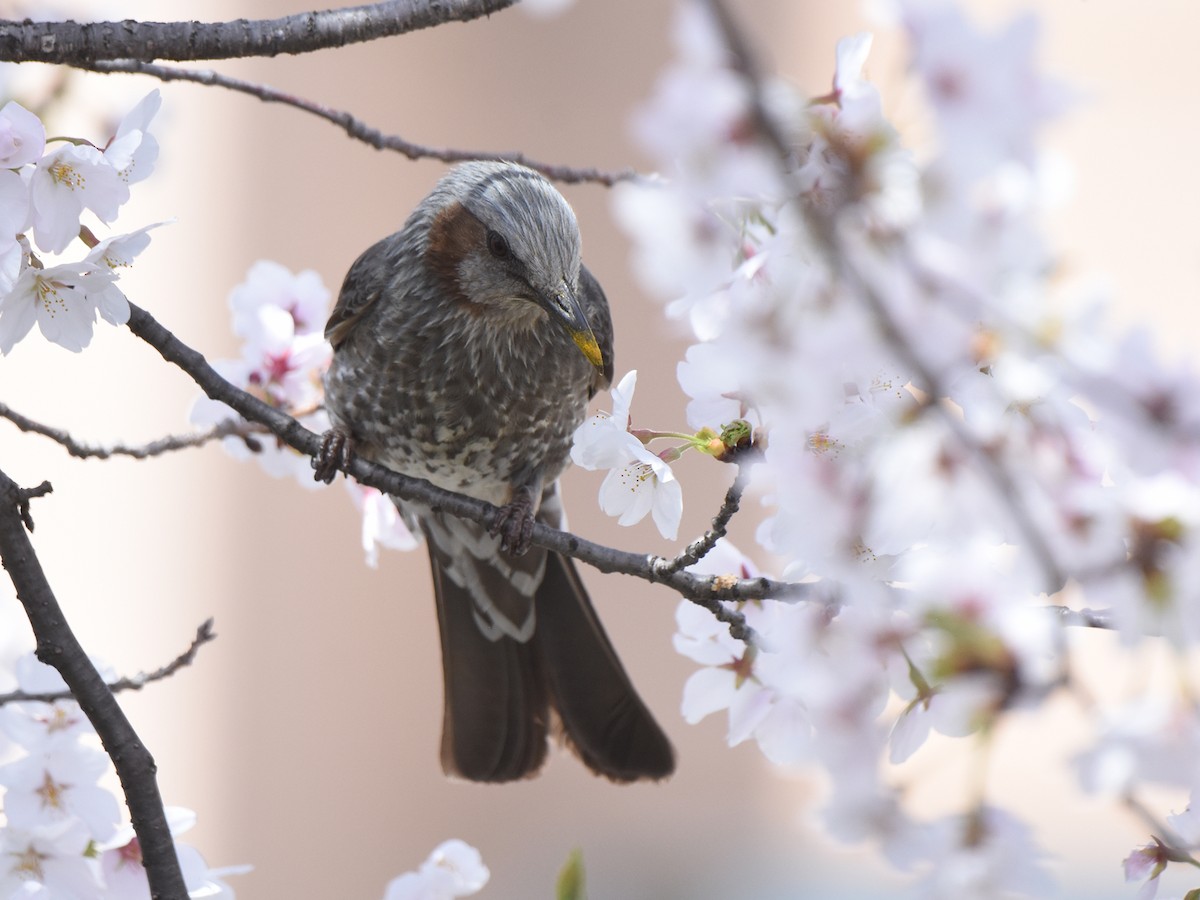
454,233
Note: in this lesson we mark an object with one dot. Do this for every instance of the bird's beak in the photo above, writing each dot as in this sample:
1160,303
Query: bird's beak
564,306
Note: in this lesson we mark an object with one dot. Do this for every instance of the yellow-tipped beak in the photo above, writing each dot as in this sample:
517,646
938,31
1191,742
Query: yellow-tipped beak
586,341
565,306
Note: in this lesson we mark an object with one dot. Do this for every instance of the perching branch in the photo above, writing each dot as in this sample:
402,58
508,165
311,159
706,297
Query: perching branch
80,450
57,646
204,634
76,43
357,128
708,591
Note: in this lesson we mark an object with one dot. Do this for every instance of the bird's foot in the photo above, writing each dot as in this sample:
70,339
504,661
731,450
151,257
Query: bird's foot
513,522
337,449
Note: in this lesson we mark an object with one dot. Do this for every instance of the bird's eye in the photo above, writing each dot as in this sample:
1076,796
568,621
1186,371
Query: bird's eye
497,245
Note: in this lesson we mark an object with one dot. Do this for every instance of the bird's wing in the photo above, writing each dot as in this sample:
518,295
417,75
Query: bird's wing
595,307
361,289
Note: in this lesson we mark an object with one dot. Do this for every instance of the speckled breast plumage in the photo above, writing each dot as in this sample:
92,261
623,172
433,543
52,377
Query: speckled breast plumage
440,394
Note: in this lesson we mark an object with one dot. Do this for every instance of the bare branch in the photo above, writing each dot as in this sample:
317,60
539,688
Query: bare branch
24,495
1086,618
229,428
357,128
75,43
57,646
204,634
698,549
705,590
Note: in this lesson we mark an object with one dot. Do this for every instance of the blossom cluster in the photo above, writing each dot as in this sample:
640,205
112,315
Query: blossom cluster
280,318
62,835
951,440
44,193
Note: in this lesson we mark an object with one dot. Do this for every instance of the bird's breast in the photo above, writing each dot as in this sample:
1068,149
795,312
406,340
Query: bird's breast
465,405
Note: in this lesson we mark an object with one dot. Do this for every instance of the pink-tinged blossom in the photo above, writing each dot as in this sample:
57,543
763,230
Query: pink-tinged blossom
1146,864
124,874
284,356
22,136
302,295
67,181
454,869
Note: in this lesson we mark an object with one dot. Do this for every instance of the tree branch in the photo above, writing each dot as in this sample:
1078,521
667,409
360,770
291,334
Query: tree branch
698,549
228,428
75,43
357,128
57,646
708,591
204,634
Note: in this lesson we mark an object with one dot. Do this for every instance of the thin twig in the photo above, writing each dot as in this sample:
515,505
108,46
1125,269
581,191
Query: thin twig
700,548
24,495
72,43
57,646
231,427
359,129
1086,618
204,634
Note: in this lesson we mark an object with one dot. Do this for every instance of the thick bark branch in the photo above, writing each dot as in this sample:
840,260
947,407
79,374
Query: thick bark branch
57,646
75,43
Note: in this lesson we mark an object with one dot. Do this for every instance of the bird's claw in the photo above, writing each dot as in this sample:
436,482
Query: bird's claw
337,450
513,522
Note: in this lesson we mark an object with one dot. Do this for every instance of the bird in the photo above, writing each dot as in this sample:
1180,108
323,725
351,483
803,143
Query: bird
466,347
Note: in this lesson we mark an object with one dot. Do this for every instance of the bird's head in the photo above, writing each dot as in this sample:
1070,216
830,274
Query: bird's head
505,244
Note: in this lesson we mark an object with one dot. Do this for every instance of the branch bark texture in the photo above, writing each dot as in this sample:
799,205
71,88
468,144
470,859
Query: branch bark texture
57,646
82,42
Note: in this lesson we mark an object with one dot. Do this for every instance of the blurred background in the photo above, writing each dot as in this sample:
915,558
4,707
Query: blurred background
306,737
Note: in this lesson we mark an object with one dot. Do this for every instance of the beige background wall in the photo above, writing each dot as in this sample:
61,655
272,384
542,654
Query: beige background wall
306,737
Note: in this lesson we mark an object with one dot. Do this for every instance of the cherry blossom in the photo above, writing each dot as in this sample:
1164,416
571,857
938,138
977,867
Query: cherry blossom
639,481
133,150
124,875
22,136
67,181
453,869
49,857
60,785
301,295
284,354
63,300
